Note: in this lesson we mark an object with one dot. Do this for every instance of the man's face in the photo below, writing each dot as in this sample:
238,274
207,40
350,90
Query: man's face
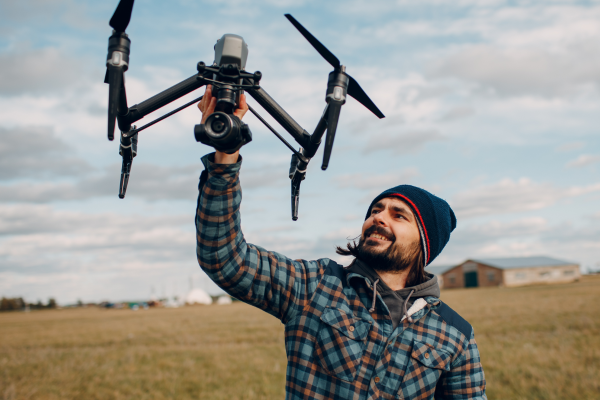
390,239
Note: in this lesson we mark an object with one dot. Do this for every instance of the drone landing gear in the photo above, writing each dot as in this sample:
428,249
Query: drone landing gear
127,150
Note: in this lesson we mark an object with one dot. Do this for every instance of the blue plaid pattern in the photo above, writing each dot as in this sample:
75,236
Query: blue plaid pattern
336,349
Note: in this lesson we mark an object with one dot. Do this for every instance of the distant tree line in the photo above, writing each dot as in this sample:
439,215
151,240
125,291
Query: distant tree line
18,303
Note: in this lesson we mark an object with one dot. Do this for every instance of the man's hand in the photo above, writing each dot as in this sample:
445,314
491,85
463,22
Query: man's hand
207,106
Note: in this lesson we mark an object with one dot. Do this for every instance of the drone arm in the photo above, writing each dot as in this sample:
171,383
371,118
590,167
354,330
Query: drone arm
122,108
126,116
139,111
280,115
315,138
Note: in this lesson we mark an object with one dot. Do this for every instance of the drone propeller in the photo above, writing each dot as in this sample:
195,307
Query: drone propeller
332,120
323,51
340,84
122,16
117,61
114,79
359,94
354,88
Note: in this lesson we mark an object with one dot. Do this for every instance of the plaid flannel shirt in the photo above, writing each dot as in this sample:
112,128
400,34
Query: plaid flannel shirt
336,348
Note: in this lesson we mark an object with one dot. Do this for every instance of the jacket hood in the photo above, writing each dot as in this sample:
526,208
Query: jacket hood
397,301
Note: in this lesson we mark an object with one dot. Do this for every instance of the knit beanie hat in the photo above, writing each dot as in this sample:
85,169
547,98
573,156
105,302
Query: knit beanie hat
434,217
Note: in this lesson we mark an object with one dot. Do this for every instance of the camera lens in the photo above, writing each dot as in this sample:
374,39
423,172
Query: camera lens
217,126
221,128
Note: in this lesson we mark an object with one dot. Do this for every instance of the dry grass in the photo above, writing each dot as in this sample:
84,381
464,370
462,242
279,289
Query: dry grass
538,342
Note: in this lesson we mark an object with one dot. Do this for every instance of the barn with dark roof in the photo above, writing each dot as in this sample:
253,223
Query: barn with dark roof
512,271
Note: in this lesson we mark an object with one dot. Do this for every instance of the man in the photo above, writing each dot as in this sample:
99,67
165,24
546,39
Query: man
375,329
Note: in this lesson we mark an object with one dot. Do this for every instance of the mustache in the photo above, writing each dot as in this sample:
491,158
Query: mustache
388,234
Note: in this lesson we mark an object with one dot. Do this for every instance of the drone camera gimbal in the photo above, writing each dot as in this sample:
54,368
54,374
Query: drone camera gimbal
223,130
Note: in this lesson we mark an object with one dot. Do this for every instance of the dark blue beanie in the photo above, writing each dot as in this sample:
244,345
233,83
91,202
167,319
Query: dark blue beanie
434,216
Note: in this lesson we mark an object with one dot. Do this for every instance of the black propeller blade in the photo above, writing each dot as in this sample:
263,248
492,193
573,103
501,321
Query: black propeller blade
122,15
333,115
354,88
359,94
327,55
115,81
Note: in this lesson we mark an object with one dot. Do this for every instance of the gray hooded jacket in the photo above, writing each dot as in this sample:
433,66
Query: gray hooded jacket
397,301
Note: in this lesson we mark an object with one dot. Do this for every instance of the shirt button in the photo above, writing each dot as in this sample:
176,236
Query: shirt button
426,355
351,329
376,379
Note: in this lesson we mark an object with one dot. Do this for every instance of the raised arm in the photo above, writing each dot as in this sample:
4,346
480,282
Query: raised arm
267,280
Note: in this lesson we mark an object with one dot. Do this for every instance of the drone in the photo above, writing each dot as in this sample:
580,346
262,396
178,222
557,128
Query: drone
222,129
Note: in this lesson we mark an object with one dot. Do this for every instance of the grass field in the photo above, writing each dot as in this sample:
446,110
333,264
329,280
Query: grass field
540,342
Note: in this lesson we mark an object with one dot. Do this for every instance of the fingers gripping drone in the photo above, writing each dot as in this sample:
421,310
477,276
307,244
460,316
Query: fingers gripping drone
222,129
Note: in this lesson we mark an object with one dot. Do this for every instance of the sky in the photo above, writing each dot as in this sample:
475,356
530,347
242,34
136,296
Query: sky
491,105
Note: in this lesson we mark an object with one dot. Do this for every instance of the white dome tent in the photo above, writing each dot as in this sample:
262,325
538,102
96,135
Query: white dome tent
198,296
222,300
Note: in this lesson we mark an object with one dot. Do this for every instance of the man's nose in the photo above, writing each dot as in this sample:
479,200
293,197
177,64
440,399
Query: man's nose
379,219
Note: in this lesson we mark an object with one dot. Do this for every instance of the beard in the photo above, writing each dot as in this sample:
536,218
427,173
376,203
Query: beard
396,257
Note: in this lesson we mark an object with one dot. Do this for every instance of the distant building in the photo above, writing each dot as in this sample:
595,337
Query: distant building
513,271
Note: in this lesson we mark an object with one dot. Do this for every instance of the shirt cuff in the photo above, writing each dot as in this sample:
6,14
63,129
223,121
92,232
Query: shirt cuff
224,173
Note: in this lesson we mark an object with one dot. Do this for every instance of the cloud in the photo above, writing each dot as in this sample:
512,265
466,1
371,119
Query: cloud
26,219
41,11
39,71
525,50
100,241
457,113
36,152
571,146
373,181
21,11
402,143
508,196
48,192
147,181
510,71
264,176
68,254
583,161
477,234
